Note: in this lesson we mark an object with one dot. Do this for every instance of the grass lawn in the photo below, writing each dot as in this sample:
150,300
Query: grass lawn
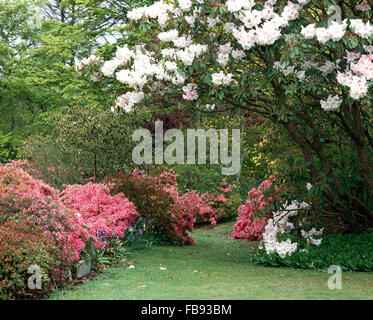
215,268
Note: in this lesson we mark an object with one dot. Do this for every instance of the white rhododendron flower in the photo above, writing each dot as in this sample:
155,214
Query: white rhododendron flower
332,103
309,32
221,78
129,99
109,67
190,91
279,226
364,30
185,4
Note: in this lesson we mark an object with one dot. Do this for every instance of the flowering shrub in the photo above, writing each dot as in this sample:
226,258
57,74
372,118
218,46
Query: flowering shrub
85,142
99,211
222,203
24,198
331,251
159,202
153,203
21,246
280,231
251,218
14,180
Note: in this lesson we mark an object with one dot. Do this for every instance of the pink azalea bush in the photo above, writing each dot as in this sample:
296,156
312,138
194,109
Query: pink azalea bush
99,210
190,206
251,219
158,200
30,199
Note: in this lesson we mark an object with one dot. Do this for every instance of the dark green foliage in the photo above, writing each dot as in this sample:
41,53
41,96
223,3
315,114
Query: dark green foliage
9,144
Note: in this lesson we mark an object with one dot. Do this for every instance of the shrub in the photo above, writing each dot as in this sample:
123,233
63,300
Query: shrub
153,203
13,180
100,212
26,199
159,202
21,246
251,219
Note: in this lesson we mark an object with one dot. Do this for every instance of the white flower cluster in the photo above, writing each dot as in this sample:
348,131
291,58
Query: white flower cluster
185,4
172,36
237,5
358,85
224,52
186,55
159,10
212,22
335,32
80,64
123,56
358,73
363,30
332,103
190,92
221,78
138,67
260,27
128,100
309,236
279,226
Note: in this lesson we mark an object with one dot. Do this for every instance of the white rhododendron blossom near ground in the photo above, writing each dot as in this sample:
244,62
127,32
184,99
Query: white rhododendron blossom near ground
280,226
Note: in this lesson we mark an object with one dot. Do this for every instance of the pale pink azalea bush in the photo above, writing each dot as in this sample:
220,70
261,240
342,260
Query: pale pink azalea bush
251,220
99,210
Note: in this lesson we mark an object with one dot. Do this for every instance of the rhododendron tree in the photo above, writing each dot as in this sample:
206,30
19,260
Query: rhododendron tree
293,62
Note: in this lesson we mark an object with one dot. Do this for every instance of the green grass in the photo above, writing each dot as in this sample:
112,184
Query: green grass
224,272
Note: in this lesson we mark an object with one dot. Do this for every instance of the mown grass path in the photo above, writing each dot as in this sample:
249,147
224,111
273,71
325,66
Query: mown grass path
215,268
